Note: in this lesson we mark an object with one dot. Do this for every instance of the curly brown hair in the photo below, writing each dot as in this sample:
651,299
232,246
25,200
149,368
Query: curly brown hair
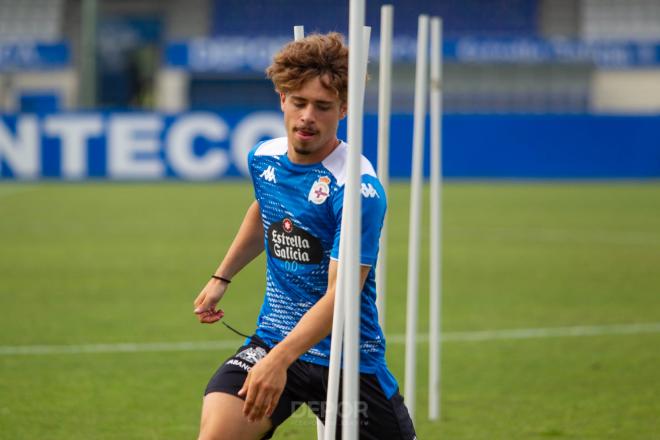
322,56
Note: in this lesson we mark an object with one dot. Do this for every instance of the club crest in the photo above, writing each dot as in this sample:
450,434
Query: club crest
320,190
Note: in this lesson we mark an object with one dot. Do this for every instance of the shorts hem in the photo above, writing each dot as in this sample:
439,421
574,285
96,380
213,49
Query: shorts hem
225,390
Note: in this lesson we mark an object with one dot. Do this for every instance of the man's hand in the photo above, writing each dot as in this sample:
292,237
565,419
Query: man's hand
208,299
263,387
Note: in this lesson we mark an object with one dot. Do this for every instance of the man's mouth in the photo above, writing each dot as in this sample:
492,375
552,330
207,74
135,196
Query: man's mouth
304,133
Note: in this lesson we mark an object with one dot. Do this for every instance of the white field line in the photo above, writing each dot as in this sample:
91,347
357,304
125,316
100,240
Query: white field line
6,191
533,333
474,336
119,348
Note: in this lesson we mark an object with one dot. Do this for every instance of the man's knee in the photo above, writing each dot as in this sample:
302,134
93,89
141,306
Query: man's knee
203,435
233,431
223,419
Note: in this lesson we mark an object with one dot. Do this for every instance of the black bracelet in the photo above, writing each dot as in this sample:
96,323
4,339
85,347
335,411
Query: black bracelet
221,279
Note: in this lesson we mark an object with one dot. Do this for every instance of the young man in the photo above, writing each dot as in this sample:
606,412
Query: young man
299,185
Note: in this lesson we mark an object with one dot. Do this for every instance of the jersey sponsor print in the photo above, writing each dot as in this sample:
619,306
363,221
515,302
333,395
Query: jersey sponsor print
290,243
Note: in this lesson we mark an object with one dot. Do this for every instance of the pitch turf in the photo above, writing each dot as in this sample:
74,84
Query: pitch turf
121,263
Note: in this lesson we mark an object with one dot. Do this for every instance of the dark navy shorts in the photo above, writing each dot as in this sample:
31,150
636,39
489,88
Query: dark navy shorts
379,417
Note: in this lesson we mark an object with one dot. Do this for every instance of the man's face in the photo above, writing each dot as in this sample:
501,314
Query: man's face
311,116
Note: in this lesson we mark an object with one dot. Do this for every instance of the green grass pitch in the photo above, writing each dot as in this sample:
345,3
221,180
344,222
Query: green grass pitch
100,263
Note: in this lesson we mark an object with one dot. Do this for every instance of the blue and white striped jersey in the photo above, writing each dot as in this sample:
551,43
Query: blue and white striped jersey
301,209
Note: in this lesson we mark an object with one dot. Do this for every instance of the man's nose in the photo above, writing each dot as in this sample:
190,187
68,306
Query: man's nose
307,113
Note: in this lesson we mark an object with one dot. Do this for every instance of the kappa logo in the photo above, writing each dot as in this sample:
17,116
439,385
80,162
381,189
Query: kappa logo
368,190
252,354
269,174
320,190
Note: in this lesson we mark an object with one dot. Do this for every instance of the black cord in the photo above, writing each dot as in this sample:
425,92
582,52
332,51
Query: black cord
234,330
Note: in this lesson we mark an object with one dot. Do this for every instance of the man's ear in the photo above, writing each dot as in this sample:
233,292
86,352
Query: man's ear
282,99
342,111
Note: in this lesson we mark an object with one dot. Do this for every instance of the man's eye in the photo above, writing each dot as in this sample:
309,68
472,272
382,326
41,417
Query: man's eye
323,108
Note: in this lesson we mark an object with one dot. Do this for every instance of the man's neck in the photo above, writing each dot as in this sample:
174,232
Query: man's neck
316,157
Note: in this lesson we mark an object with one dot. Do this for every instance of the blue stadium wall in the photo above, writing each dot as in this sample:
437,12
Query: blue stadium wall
212,146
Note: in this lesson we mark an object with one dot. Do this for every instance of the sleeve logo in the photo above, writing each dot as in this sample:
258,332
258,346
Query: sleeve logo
320,191
368,191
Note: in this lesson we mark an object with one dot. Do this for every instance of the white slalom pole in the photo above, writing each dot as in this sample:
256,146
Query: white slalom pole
335,345
435,300
366,38
342,279
352,201
320,429
384,105
299,34
415,212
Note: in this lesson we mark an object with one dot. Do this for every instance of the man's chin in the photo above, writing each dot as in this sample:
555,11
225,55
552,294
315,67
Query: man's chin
303,147
302,150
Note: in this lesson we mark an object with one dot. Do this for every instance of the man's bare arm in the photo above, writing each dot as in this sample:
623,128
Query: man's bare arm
266,380
247,245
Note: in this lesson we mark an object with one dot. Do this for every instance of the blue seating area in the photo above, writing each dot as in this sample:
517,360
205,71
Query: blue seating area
486,18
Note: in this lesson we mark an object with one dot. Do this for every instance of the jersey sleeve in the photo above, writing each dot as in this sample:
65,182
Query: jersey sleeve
250,159
250,164
374,205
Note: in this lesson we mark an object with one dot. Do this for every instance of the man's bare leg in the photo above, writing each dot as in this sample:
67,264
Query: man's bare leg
222,418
